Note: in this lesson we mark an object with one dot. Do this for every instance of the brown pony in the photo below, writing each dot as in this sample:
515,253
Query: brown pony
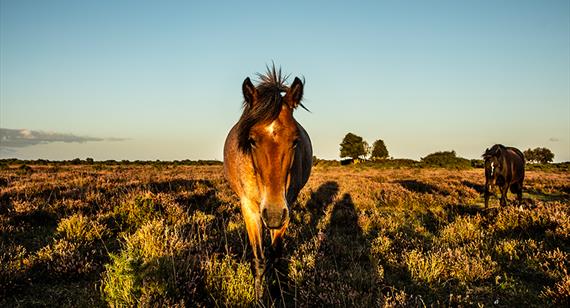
504,167
267,160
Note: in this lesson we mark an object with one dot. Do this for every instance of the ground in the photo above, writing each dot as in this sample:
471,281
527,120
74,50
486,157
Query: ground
164,234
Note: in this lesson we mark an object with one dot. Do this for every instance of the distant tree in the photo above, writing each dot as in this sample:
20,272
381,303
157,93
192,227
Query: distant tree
545,155
539,155
89,160
367,149
529,156
379,150
353,146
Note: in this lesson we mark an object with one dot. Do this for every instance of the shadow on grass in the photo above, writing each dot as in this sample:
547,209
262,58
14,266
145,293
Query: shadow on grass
343,271
282,291
477,187
455,210
421,187
347,275
545,197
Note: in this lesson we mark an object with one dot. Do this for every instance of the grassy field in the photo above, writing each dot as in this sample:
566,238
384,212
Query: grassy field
173,235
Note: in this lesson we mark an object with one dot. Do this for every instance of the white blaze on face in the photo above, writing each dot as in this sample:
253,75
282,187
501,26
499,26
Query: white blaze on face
271,128
492,168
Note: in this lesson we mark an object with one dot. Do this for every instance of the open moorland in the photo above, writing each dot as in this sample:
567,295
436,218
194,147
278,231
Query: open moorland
168,235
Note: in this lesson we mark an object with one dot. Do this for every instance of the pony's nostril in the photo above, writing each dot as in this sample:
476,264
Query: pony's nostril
264,214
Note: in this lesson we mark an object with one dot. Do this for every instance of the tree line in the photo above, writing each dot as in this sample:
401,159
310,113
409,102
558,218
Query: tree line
355,147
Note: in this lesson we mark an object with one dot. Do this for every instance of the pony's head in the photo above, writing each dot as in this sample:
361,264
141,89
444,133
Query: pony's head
269,134
493,159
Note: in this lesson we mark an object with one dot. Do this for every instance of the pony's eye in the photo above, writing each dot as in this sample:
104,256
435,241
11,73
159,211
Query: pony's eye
251,142
295,143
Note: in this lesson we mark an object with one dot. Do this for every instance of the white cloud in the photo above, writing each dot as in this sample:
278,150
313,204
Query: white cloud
18,138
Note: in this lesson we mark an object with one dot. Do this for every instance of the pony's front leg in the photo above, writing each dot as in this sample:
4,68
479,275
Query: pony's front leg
277,242
252,219
277,267
487,194
504,190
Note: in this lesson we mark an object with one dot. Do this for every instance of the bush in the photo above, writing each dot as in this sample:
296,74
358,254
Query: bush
477,163
136,211
229,282
446,159
155,268
463,230
81,229
426,268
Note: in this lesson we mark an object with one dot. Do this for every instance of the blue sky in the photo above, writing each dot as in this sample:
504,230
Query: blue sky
162,79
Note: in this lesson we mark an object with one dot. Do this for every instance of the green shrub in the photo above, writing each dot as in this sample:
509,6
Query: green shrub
122,280
426,268
156,239
155,268
132,214
81,229
446,159
438,267
462,230
230,283
477,163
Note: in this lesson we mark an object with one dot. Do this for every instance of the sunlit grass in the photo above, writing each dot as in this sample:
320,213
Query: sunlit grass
359,236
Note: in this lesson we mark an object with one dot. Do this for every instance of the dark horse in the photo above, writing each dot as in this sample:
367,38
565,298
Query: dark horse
267,160
504,167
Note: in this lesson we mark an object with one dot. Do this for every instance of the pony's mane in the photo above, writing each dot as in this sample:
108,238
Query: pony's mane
493,150
267,106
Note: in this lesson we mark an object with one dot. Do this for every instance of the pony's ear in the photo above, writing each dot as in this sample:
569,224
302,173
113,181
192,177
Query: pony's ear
295,92
499,152
249,91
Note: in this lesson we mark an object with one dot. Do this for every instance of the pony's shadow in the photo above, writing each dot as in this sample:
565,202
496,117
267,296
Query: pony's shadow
344,262
344,274
318,204
281,290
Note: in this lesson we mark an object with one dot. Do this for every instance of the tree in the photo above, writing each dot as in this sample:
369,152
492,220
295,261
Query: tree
529,156
379,150
353,146
539,155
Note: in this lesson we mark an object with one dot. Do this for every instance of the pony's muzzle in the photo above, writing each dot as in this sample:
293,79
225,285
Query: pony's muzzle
274,218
